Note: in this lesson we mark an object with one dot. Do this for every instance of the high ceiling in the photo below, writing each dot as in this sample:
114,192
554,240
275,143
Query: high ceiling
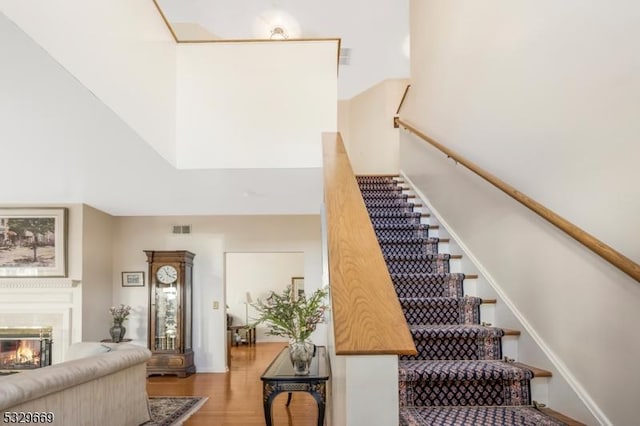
375,32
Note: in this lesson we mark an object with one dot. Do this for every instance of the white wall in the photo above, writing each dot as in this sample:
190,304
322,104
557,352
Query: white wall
188,31
121,50
255,105
551,87
97,258
544,96
375,32
259,274
211,238
87,154
369,137
344,120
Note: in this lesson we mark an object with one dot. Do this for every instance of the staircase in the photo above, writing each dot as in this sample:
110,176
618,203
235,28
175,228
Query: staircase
459,376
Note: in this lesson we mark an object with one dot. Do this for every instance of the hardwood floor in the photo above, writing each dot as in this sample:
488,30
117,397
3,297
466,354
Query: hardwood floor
235,398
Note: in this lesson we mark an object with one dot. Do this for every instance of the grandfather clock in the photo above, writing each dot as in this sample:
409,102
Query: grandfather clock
170,280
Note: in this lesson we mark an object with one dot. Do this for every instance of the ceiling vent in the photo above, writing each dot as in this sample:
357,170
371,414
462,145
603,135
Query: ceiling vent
345,56
182,229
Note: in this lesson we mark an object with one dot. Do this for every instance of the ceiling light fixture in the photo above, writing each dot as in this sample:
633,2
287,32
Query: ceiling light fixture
276,25
278,33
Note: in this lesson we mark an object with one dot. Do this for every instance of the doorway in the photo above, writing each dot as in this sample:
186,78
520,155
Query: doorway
253,276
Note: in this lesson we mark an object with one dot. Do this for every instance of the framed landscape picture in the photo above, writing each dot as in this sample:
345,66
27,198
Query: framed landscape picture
33,242
133,279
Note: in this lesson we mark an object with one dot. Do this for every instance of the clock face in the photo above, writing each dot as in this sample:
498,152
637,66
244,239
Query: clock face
167,274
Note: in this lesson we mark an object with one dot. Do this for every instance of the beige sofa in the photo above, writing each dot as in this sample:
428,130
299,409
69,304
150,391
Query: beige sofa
107,388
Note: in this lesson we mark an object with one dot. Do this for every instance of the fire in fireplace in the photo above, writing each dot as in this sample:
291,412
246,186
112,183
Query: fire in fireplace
25,348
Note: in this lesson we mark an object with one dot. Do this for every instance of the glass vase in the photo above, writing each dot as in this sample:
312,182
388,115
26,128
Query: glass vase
301,353
117,331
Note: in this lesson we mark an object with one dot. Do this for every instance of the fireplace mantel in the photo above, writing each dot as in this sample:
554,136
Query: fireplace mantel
55,302
30,282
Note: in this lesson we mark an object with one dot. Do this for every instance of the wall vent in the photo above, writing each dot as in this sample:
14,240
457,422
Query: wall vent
345,56
182,229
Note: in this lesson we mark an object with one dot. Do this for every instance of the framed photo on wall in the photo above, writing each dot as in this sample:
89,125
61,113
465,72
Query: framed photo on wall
33,242
297,287
133,279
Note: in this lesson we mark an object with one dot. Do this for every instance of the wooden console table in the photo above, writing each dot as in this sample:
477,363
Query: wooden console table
111,341
279,377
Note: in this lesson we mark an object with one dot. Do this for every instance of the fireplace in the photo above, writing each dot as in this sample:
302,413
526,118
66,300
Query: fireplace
50,302
25,348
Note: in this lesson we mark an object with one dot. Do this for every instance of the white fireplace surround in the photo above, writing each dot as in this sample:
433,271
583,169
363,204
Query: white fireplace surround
54,302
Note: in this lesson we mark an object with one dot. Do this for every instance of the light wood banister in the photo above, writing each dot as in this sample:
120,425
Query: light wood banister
404,96
614,257
367,317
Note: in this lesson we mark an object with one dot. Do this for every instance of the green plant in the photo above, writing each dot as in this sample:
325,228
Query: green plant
295,319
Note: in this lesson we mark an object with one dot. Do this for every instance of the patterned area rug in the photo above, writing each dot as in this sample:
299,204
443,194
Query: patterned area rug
174,410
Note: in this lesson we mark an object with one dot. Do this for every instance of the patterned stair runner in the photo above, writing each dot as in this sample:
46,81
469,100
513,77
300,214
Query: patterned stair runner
456,342
428,285
476,416
457,377
462,382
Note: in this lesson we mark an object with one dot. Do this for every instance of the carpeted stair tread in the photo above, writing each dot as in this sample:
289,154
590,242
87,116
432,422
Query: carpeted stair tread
381,186
426,264
462,382
401,226
419,257
407,208
385,201
377,179
427,278
476,416
417,246
391,250
414,219
455,331
418,264
399,236
377,194
408,240
428,285
456,342
379,213
390,203
441,310
409,237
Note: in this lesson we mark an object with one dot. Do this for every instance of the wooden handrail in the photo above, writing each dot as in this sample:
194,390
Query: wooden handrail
614,257
367,317
404,96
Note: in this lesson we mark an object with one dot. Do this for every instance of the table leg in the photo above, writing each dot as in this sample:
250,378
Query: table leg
269,392
318,392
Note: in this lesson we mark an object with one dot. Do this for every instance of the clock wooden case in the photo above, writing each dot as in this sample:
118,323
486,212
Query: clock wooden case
170,322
